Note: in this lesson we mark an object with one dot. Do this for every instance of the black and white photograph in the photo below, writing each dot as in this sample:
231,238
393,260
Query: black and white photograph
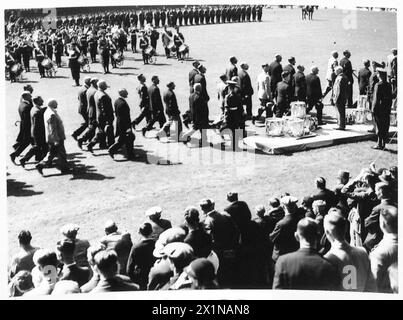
215,146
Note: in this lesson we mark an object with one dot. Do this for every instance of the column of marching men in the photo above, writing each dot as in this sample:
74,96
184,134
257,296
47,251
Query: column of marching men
277,88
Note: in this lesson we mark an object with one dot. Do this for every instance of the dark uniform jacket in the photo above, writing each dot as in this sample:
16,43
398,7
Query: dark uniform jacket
172,109
105,109
363,80
92,111
24,110
82,101
283,94
300,86
275,70
347,69
144,97
282,236
200,78
122,112
38,125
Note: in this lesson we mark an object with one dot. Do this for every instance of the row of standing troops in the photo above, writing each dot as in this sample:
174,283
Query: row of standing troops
171,17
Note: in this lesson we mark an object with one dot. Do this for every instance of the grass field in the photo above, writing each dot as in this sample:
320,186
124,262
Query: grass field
102,188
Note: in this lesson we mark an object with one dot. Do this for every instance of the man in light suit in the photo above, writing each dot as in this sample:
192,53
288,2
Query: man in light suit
305,269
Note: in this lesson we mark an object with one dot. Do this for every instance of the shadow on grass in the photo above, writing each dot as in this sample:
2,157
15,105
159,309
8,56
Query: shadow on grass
20,189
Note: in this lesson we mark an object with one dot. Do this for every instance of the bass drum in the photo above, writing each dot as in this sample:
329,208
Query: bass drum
46,63
150,51
183,48
171,46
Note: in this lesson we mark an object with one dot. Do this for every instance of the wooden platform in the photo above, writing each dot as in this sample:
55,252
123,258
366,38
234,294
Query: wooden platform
326,136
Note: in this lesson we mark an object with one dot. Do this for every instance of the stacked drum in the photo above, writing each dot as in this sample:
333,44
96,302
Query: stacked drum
362,114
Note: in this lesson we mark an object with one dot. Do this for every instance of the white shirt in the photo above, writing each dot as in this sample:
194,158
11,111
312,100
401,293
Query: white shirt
332,63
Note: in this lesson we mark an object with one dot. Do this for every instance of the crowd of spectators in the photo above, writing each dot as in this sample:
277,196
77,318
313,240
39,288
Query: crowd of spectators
313,243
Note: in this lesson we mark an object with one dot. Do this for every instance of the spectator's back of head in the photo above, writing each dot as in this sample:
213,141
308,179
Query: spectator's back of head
145,229
179,253
201,270
170,235
274,202
260,210
21,283
106,262
66,247
319,207
70,231
93,250
388,219
110,227
335,225
307,229
24,237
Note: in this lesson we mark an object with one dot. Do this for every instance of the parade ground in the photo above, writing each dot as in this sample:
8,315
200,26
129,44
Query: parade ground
174,176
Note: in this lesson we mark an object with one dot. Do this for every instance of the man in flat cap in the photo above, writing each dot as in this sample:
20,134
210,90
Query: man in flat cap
345,63
381,108
314,93
55,137
24,135
82,108
340,93
246,88
174,124
123,126
104,118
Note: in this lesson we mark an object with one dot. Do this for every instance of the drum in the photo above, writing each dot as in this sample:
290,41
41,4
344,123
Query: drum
46,63
275,127
150,51
393,118
183,48
296,127
116,56
298,109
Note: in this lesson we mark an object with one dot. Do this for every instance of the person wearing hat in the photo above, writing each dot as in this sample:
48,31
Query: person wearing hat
69,231
246,89
232,69
201,273
305,269
282,237
104,119
55,137
156,107
340,95
123,126
158,224
24,136
179,256
331,75
275,71
74,65
174,124
91,111
364,75
381,108
39,146
264,93
314,93
141,257
345,63
82,108
300,84
283,95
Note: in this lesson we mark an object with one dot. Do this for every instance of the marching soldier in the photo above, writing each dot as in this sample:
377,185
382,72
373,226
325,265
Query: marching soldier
142,91
185,16
82,108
